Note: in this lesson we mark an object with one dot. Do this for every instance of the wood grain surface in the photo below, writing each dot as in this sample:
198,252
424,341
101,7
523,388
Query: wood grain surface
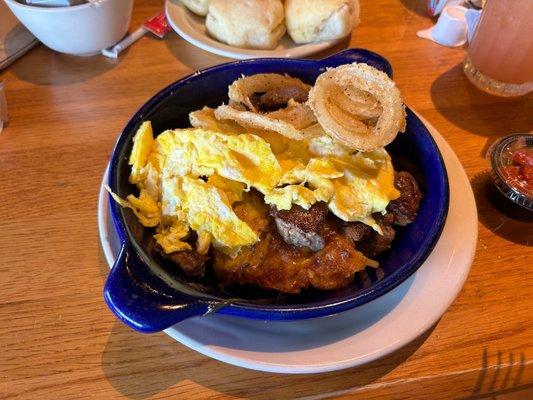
58,340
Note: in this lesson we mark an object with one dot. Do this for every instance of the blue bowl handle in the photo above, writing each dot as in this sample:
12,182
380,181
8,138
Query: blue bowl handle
349,56
138,297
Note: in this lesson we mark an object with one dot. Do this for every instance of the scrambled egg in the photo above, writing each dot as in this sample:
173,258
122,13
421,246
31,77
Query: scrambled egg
193,179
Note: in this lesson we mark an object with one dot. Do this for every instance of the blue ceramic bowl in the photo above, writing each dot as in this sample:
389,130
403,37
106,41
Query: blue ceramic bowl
149,294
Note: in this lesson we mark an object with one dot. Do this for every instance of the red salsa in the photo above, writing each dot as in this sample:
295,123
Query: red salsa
520,173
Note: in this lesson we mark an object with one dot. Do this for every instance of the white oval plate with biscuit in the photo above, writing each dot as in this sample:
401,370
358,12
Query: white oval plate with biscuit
192,28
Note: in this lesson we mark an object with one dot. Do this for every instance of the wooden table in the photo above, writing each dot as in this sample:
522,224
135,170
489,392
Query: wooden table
58,339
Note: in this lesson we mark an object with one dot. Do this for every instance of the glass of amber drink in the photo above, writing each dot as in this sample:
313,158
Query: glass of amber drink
500,56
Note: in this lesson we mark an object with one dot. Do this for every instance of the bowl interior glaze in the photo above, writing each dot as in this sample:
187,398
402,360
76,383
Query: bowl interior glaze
413,150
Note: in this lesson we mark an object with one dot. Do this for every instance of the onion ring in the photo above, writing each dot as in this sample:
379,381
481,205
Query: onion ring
345,123
357,102
205,119
291,122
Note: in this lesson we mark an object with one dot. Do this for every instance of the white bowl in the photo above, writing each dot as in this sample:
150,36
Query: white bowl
82,30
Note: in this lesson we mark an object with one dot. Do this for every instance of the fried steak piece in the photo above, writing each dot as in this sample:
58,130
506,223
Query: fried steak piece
374,243
406,206
189,261
192,263
356,231
300,227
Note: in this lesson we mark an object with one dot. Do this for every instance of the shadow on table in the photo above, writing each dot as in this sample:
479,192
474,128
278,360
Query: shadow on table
506,220
501,378
59,69
477,112
416,6
192,57
140,366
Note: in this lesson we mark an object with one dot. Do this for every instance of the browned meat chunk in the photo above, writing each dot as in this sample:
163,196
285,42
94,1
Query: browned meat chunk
307,220
300,227
405,208
192,263
356,231
296,237
368,241
374,243
388,218
278,98
387,230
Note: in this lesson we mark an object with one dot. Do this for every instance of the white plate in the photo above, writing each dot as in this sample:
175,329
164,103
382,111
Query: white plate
192,28
353,337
